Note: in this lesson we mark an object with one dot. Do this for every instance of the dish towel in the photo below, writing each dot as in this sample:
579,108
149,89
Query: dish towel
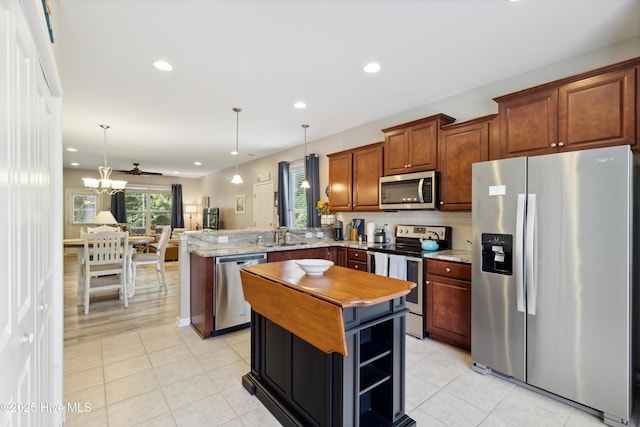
398,267
382,263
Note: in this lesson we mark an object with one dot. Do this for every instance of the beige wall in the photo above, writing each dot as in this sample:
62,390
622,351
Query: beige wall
191,193
464,106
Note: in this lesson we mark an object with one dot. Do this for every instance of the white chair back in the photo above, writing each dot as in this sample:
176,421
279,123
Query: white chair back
106,255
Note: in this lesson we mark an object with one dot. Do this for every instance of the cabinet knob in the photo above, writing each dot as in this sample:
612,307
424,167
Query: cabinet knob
357,255
553,145
448,270
409,165
28,338
427,282
560,144
356,267
441,202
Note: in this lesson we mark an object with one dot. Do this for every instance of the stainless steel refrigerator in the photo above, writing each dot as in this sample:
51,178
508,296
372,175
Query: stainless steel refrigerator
552,274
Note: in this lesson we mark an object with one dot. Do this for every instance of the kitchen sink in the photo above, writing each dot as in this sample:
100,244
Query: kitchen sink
271,245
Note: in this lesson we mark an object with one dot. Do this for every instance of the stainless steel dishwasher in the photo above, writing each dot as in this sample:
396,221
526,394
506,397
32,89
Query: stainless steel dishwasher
230,308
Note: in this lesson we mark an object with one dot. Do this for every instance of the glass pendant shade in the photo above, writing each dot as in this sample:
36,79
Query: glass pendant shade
305,182
237,179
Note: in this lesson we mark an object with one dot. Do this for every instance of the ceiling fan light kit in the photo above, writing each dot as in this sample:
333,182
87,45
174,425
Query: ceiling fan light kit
104,185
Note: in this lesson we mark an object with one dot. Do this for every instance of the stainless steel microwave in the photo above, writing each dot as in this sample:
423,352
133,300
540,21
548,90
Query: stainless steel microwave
409,191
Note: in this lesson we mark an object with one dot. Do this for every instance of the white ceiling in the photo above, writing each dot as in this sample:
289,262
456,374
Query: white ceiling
264,55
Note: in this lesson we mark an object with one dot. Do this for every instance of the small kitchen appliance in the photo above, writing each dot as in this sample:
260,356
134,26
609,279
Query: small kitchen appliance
337,230
379,236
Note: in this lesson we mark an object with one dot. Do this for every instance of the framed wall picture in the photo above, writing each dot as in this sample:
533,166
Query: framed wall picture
240,204
205,202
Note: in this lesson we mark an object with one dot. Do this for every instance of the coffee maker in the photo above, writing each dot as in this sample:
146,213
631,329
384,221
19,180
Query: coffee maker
337,230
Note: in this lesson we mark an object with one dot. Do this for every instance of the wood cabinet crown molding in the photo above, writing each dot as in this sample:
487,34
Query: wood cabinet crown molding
570,79
444,119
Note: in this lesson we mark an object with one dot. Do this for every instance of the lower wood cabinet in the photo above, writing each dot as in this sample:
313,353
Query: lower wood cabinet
302,385
317,253
448,302
357,259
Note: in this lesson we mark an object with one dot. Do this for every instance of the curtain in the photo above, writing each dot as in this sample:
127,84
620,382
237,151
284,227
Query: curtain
312,173
177,217
283,194
119,207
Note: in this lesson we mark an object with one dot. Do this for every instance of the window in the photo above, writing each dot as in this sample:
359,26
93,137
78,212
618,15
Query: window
85,208
297,195
147,209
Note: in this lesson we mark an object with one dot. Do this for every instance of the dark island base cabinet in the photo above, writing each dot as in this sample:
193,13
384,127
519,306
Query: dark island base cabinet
364,388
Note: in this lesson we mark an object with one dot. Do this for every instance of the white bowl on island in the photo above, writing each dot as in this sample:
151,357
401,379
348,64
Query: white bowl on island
314,267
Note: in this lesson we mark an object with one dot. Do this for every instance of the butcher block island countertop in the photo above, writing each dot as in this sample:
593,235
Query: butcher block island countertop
327,350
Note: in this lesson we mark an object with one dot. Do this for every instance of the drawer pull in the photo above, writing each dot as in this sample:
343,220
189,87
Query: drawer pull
448,270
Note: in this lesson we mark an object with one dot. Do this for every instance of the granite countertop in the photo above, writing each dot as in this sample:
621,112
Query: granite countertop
456,255
213,251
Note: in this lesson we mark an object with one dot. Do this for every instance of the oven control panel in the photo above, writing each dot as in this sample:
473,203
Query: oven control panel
422,232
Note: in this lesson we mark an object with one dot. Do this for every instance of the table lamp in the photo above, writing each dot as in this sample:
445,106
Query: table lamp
105,217
190,209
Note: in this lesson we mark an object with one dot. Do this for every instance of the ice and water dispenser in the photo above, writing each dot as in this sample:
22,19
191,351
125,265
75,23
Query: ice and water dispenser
497,253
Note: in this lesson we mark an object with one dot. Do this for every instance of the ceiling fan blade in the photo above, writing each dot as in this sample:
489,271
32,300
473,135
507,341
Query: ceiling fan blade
150,173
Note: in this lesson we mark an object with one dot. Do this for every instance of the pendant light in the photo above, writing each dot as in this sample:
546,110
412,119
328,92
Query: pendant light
305,182
237,179
104,185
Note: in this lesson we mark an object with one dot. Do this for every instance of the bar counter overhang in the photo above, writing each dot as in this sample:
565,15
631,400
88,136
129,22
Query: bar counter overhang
327,350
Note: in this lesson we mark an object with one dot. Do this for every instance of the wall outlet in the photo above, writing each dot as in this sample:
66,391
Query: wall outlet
308,235
320,234
223,239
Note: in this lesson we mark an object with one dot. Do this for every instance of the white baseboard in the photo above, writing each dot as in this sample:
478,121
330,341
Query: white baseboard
181,323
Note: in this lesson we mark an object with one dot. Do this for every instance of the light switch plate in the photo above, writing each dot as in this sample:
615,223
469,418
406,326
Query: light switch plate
320,234
223,239
308,235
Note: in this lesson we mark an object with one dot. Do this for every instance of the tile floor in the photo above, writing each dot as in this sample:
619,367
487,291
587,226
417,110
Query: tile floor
168,376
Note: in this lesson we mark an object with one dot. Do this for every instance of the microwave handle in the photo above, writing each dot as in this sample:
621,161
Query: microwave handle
420,194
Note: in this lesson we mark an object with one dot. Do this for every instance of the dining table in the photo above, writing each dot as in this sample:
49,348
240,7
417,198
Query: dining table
134,240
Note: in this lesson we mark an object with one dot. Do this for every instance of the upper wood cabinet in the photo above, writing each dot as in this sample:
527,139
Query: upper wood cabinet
592,110
413,146
461,145
354,178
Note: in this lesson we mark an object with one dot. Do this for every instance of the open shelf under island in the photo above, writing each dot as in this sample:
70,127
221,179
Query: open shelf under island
327,350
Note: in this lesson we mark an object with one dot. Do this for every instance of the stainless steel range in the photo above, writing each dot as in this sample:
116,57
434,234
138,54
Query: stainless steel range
404,260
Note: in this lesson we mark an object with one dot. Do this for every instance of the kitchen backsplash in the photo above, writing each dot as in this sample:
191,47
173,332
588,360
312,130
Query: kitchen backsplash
460,222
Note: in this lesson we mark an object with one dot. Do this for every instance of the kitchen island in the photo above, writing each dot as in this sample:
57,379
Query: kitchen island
327,350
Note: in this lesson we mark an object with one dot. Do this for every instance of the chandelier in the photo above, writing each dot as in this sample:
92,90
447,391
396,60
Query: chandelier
104,185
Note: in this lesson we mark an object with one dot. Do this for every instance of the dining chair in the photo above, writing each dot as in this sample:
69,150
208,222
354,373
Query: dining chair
106,255
156,258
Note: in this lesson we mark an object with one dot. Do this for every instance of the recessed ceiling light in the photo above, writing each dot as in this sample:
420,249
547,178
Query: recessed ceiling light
163,65
176,172
300,105
372,67
197,163
73,150
75,164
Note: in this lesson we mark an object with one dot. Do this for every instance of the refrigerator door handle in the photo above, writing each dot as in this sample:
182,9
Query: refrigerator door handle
530,266
518,251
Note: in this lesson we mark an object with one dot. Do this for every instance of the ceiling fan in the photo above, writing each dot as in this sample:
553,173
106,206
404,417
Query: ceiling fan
138,172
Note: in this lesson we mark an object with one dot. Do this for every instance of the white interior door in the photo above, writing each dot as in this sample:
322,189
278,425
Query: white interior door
30,221
263,209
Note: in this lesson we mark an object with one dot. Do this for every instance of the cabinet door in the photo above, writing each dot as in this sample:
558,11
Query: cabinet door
395,152
423,147
318,253
340,178
367,170
529,124
449,310
342,257
459,148
597,112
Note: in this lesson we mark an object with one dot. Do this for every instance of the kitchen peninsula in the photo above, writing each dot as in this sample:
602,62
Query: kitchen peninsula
327,350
